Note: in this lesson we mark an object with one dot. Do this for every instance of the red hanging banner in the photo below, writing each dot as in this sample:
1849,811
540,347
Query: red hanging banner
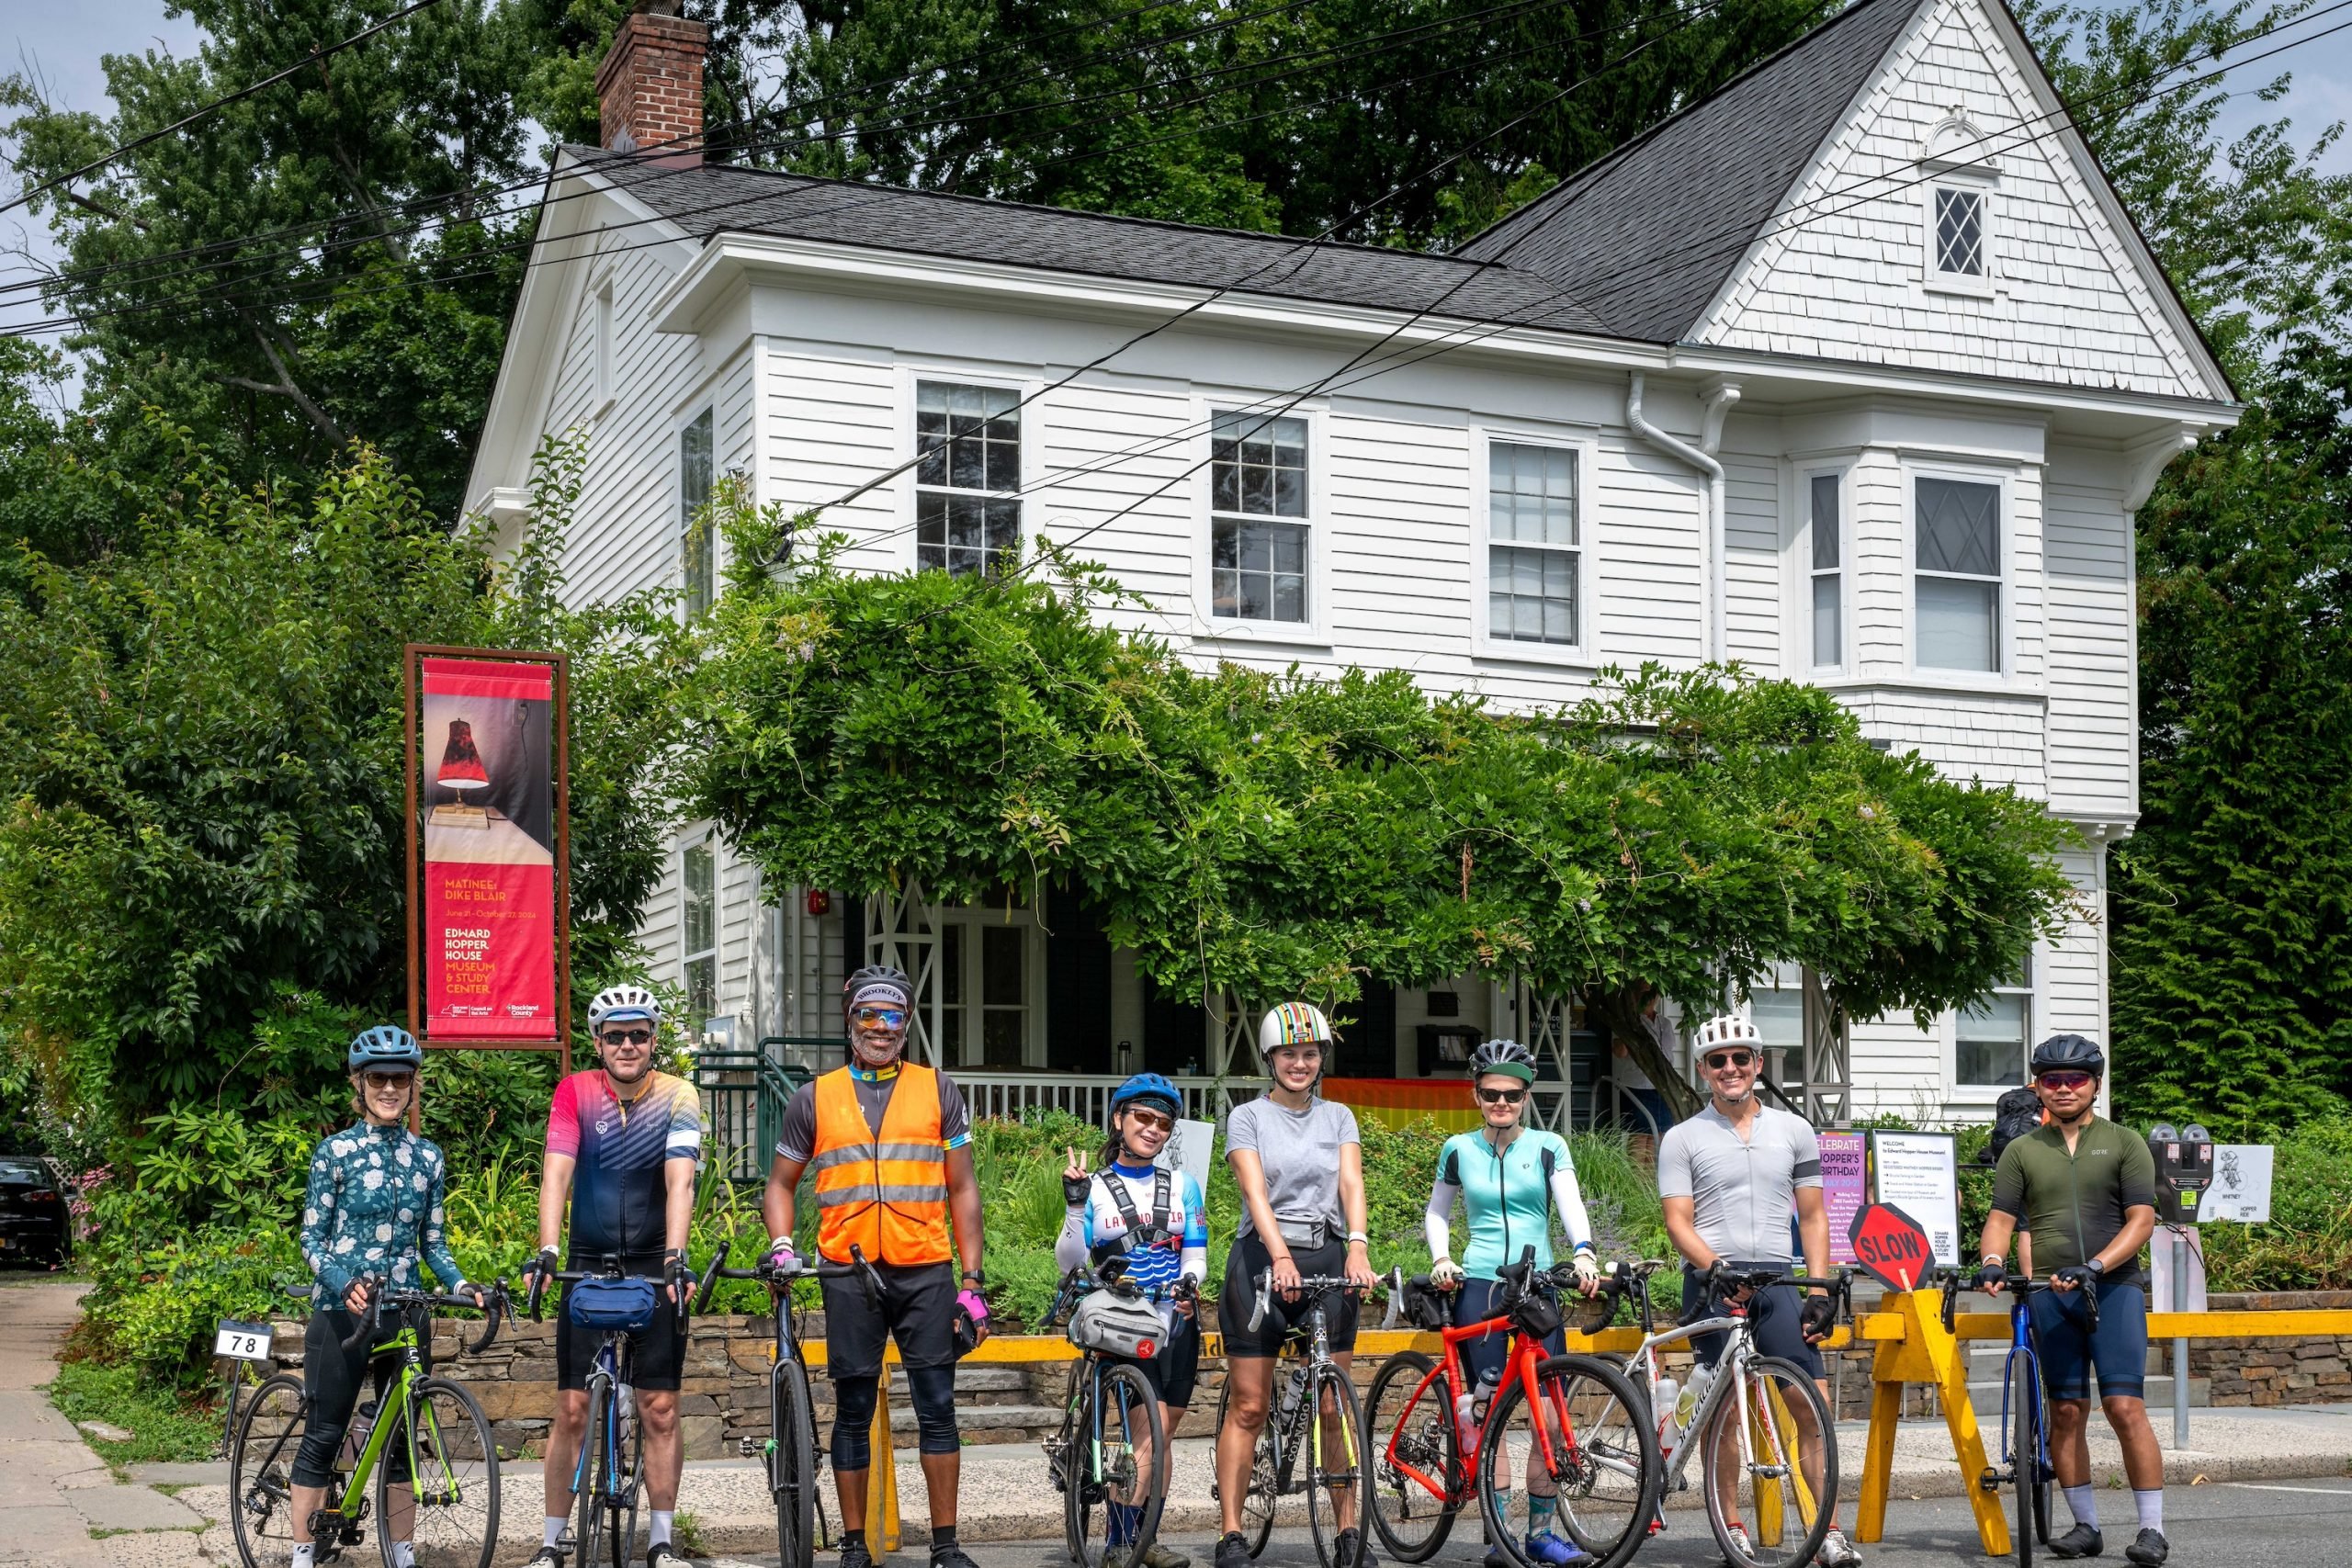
486,765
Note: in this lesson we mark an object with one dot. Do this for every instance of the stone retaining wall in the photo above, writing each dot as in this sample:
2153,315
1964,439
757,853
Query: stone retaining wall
2276,1372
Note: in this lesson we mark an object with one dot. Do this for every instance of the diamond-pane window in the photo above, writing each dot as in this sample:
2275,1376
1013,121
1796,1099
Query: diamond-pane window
1960,233
1828,580
1957,590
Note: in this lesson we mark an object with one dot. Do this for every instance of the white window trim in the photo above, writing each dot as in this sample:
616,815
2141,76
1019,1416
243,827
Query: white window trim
974,918
689,841
602,399
1801,571
2006,639
1947,1039
705,402
1586,447
1986,190
908,488
1208,626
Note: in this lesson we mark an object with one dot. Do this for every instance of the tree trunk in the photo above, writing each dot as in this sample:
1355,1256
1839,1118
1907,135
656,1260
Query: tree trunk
1623,1011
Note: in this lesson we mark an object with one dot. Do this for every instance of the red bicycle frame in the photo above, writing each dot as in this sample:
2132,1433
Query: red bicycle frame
1526,1354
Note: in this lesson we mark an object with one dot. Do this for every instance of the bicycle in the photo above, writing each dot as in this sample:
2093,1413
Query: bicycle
2025,1412
791,1453
1295,1423
426,1445
1750,1422
608,1473
1586,1434
1112,1446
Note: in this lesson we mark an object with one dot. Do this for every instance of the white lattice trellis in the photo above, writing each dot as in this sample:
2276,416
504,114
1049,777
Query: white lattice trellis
902,930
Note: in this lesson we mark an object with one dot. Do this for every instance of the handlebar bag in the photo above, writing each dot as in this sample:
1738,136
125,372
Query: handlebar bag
626,1305
1537,1316
1427,1310
1115,1325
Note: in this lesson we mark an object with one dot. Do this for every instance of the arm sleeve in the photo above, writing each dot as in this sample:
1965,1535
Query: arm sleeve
2138,1173
1437,1220
433,1240
684,1141
1806,1144
318,1229
2009,1184
1194,1264
1070,1248
796,1140
563,1119
1567,1200
954,1117
1674,1165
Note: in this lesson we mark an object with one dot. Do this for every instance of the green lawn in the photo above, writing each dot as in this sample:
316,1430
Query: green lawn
163,1430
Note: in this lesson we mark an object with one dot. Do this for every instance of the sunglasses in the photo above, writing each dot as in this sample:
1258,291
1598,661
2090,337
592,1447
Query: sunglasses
627,1036
1501,1096
2064,1081
880,1018
380,1083
1717,1061
1159,1118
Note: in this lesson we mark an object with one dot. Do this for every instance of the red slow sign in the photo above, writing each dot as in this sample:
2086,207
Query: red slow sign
1891,1245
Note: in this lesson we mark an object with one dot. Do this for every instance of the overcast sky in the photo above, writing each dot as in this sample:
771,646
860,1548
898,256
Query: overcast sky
61,42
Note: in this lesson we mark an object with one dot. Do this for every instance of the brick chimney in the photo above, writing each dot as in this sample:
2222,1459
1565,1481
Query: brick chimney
649,90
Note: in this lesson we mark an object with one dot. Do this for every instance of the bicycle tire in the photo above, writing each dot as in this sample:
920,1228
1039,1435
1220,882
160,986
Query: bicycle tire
261,1468
793,1478
449,1448
607,1527
2025,1464
1410,1425
1118,1400
1265,1466
1323,1476
1792,1386
1605,1433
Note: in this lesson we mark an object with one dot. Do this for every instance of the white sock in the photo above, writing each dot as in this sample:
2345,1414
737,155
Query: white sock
555,1523
2083,1501
403,1554
302,1555
660,1531
2151,1505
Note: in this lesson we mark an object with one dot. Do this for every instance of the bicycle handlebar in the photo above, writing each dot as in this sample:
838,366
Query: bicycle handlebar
774,1278
1308,1285
494,1306
1956,1280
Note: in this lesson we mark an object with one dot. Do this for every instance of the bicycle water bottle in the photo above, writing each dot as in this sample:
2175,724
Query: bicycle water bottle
1686,1409
1485,1397
1670,1429
1465,1420
355,1434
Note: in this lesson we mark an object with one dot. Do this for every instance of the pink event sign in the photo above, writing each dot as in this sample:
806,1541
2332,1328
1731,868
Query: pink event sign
1845,1187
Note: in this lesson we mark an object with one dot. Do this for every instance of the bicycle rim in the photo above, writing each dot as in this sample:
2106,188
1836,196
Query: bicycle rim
1415,1488
1581,1463
794,1476
590,1533
1122,1455
261,1471
1753,1470
2025,1400
445,1450
1333,1454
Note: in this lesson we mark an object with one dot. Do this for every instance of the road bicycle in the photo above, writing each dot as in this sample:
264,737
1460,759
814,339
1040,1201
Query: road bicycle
1767,1447
608,1473
1318,1414
1112,1448
1576,1420
790,1452
2025,1464
424,1441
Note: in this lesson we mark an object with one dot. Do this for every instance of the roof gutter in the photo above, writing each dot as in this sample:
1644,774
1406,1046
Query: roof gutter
1717,398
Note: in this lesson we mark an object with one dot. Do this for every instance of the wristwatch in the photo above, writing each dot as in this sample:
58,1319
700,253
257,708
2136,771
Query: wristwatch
1358,1237
976,1278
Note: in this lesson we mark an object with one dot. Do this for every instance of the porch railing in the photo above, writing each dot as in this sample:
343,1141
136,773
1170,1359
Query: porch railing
1085,1095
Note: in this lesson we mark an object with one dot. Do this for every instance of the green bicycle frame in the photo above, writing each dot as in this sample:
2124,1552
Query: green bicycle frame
399,1398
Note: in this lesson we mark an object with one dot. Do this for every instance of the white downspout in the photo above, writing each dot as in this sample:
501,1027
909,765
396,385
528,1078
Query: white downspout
1718,398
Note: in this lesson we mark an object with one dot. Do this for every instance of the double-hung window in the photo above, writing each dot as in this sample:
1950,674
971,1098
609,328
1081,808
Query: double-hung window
1535,547
698,552
1956,544
1990,1034
1827,577
968,480
1257,487
699,928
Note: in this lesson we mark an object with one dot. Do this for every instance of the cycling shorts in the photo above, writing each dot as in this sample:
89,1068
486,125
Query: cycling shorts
918,1310
1775,1316
1487,1354
1177,1369
2069,1352
657,1353
1249,1260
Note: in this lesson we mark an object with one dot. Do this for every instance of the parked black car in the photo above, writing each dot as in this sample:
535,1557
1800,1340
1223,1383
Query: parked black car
33,1223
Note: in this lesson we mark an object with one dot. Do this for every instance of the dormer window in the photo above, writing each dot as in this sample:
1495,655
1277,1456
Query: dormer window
1960,233
1962,181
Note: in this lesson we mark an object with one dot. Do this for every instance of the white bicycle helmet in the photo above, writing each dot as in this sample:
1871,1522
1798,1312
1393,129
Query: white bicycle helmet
1730,1029
624,1003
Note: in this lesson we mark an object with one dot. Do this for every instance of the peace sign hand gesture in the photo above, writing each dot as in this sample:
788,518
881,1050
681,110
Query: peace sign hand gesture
1076,1182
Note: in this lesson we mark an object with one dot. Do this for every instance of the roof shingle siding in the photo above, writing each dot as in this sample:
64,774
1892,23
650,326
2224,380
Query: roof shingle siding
716,198
1646,238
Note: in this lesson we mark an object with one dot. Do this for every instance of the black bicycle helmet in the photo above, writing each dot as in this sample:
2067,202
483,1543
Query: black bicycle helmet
1503,1056
876,982
2070,1052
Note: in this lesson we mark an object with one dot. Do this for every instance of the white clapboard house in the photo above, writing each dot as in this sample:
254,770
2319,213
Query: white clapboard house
1854,371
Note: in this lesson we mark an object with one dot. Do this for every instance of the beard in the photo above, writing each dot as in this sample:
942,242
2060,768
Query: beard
1738,1097
618,1077
877,1051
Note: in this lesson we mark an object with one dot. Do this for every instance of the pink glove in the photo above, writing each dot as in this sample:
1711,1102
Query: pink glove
974,1307
781,1256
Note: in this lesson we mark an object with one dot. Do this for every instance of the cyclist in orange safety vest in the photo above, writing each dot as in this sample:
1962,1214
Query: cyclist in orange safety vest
889,1141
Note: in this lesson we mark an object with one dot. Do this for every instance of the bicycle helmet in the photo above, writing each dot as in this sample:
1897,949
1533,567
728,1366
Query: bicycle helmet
877,983
624,1003
385,1048
1293,1023
1730,1029
2069,1052
1148,1089
1506,1057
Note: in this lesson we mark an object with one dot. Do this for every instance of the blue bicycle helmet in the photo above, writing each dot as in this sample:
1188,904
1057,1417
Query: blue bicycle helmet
386,1047
1148,1089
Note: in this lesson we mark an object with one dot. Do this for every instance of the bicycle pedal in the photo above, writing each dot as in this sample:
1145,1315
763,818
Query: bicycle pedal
1989,1482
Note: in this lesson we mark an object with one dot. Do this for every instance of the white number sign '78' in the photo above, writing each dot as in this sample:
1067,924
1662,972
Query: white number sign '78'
242,1341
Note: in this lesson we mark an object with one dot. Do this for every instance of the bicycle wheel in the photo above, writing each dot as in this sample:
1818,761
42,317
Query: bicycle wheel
1265,1471
1334,1454
1755,1451
1415,1489
1119,1454
792,1475
2025,1466
608,1484
448,1488
1598,1486
261,1471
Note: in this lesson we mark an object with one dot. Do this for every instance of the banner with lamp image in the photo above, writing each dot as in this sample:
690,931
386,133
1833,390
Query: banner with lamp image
485,766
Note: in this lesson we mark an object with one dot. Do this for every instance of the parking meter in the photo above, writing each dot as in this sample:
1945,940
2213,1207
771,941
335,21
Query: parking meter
2184,1169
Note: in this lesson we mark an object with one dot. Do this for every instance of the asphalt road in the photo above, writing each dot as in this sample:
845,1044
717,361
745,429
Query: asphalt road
2284,1523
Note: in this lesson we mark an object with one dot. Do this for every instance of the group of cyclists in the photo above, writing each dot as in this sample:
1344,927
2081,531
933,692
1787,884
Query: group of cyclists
885,1144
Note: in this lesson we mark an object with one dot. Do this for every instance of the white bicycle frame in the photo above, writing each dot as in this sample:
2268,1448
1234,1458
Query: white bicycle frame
1731,1375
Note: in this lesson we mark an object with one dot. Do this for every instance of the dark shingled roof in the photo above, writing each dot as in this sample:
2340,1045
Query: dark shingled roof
1646,237
715,198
